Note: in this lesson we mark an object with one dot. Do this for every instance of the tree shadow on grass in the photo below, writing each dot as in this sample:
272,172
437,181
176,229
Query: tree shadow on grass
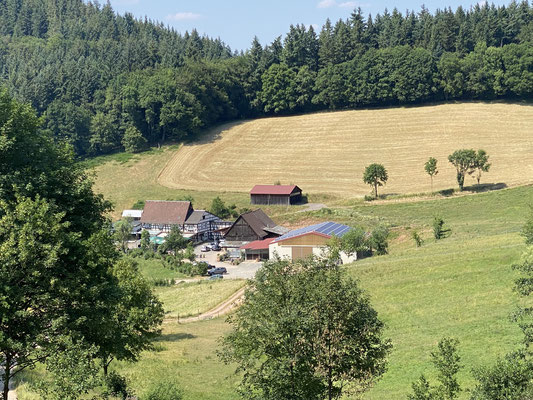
174,337
486,187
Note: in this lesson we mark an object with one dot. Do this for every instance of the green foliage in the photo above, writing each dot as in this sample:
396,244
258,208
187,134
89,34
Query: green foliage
117,385
133,141
527,229
417,238
219,208
174,242
379,240
354,241
431,169
447,363
72,371
139,205
163,391
305,331
464,162
439,231
375,175
508,379
481,164
145,241
123,230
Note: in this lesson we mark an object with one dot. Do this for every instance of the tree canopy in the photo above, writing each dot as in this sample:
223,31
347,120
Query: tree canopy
375,175
305,331
106,82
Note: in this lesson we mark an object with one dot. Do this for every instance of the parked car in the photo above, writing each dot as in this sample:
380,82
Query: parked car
205,248
216,247
217,271
215,276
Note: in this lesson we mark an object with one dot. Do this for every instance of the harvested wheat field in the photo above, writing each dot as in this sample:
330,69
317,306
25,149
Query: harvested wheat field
328,152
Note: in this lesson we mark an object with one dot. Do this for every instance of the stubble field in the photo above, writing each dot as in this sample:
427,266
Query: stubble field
327,152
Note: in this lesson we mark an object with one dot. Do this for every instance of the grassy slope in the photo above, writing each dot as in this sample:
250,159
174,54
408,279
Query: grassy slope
327,152
460,286
153,270
188,299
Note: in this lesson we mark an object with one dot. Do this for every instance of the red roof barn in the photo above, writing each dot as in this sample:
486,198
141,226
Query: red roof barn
275,194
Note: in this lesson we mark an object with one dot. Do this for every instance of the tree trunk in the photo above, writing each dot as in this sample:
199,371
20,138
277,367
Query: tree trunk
6,378
376,190
431,183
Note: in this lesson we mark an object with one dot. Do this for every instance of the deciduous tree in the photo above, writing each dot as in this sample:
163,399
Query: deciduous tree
305,331
431,169
464,161
375,175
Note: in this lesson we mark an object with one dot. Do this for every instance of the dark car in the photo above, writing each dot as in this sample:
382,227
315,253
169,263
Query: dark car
217,271
216,247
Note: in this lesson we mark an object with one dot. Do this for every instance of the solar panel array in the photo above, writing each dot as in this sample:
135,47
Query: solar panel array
326,228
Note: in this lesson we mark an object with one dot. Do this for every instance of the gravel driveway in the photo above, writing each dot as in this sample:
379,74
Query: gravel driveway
245,270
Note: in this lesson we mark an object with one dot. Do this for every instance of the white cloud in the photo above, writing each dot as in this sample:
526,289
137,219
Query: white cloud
348,4
181,16
326,4
334,3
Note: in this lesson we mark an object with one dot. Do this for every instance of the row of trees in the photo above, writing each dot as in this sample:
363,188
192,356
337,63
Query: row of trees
465,161
65,290
105,82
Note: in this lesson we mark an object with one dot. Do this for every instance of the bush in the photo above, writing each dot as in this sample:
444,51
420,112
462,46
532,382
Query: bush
164,391
438,228
369,198
117,385
527,229
379,240
417,238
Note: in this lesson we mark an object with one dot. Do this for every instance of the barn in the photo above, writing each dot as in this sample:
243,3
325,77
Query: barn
252,226
276,194
308,241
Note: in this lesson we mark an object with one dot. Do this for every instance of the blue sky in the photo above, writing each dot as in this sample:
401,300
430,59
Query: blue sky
236,22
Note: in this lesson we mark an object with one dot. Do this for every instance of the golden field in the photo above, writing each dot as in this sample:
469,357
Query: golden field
328,152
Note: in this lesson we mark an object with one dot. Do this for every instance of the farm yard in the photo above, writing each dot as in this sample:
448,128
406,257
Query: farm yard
327,152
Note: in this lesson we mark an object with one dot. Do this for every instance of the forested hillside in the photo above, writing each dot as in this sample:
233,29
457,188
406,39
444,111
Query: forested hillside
105,82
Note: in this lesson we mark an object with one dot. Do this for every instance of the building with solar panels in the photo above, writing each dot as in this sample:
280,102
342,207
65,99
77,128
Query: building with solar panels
308,241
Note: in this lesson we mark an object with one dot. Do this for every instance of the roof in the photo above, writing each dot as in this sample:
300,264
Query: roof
132,213
327,229
275,189
166,212
258,244
196,217
257,220
278,230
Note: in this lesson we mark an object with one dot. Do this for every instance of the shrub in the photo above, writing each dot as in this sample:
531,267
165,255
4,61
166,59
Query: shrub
117,385
369,198
164,391
379,240
438,228
418,240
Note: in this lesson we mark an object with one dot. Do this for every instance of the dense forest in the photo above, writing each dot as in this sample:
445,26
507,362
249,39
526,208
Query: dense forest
105,82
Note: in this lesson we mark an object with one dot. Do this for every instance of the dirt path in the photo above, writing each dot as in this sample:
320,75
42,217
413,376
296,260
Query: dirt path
313,207
222,309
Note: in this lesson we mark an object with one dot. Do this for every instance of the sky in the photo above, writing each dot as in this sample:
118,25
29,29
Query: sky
236,22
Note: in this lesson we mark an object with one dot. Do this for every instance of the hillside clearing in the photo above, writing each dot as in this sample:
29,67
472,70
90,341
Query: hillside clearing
327,152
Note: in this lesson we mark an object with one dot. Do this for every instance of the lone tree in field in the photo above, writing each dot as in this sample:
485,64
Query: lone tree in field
464,161
305,331
375,175
481,164
431,169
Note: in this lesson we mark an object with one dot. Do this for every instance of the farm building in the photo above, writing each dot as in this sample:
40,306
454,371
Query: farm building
161,216
133,214
252,226
257,250
275,194
202,225
311,240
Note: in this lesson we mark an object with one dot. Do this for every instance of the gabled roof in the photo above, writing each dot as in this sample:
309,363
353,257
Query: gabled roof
197,216
257,220
258,244
327,229
166,212
275,189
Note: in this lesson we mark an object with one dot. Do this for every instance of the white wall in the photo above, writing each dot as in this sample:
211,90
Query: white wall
319,251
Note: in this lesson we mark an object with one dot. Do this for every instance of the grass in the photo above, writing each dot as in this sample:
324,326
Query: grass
187,299
154,270
327,152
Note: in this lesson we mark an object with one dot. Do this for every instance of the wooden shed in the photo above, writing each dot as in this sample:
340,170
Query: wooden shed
275,194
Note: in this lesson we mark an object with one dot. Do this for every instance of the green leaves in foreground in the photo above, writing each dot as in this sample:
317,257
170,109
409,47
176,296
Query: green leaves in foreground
305,331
